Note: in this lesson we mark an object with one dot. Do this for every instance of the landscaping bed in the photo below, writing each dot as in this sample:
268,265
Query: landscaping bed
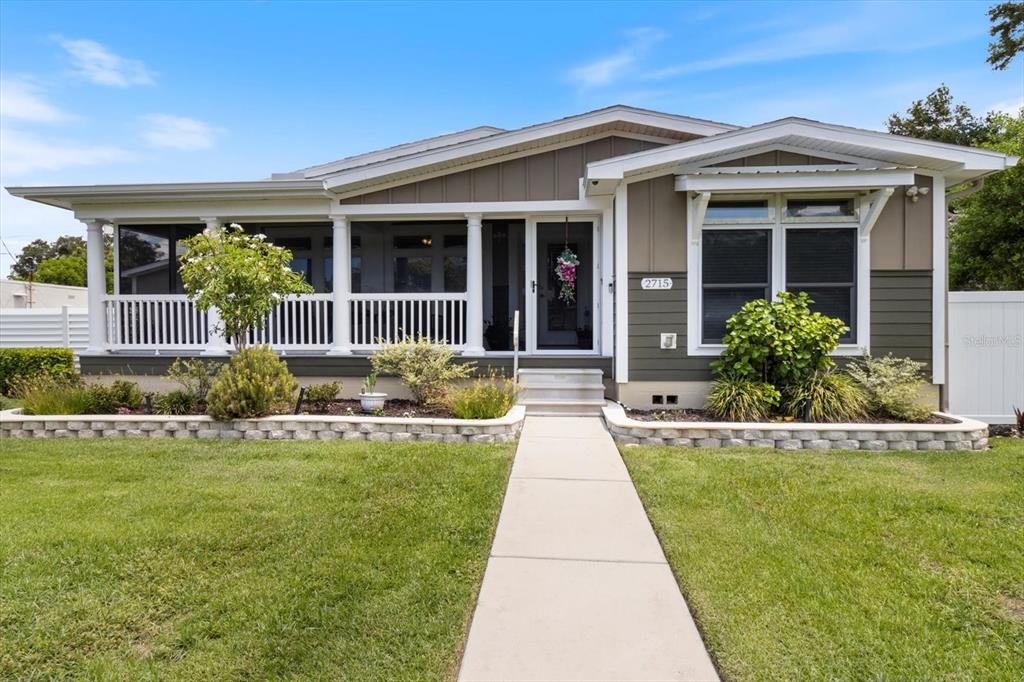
228,561
697,415
951,433
846,565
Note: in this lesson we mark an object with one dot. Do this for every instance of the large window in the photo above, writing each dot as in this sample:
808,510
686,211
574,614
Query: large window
754,247
823,263
145,260
736,269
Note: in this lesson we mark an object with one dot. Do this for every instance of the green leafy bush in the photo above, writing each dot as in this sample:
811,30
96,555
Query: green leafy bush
194,376
779,342
16,363
175,402
741,400
320,396
254,383
892,386
109,399
826,397
485,398
52,394
427,369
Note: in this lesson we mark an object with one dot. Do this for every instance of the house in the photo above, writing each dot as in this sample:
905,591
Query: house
675,221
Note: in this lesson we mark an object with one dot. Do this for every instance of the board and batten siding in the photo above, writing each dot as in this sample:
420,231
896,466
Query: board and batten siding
901,324
656,216
546,176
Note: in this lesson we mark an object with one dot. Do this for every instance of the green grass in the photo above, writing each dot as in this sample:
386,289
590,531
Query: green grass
218,561
846,565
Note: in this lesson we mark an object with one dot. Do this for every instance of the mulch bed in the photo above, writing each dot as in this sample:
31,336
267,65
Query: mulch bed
694,415
392,408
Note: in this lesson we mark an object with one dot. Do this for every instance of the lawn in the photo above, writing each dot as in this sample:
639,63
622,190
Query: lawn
124,559
846,565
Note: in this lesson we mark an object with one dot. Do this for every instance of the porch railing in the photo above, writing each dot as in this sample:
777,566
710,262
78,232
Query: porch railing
158,322
439,317
172,322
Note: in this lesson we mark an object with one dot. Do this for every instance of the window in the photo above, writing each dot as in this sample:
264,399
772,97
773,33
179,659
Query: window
823,263
808,244
144,257
816,209
737,211
413,274
736,269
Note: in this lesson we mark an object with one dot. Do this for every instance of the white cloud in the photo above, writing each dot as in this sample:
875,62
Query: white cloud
609,69
21,100
1008,107
99,65
22,153
178,132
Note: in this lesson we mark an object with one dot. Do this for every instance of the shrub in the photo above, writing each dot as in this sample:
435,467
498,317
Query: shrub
109,399
741,400
425,368
254,383
194,376
174,402
52,394
779,342
16,363
892,386
320,396
826,397
488,398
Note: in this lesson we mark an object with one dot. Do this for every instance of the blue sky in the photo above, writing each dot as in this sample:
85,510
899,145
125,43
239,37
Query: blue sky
150,92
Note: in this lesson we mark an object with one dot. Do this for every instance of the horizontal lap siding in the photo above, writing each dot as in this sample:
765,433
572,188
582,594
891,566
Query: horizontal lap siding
901,314
652,313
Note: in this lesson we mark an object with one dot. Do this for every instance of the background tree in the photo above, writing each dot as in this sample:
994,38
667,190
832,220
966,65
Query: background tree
986,233
1008,30
67,270
240,274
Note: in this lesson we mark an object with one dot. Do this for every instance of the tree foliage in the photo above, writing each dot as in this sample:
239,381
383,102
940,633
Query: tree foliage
67,270
986,234
241,274
1008,31
36,259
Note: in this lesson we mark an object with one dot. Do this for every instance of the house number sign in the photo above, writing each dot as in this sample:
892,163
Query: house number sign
648,283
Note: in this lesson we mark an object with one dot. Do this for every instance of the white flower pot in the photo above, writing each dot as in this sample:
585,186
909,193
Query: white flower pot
372,401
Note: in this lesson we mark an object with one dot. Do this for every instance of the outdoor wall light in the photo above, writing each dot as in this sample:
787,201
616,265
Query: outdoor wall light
915,192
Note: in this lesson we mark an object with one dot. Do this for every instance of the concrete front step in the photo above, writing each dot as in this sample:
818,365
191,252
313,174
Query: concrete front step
560,377
563,408
562,392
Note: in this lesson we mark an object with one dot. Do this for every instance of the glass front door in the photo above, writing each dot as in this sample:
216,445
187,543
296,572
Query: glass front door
563,285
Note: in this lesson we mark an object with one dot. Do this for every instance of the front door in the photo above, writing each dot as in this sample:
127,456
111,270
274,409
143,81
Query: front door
563,296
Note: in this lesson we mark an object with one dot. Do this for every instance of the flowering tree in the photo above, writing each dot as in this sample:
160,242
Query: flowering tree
240,274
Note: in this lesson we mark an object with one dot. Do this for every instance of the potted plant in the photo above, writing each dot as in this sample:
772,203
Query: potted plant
369,399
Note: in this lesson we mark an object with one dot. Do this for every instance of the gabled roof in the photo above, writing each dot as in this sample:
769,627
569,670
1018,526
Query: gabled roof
821,138
494,146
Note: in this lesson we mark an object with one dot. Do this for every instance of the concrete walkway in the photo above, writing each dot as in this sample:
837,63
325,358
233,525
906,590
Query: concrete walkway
577,587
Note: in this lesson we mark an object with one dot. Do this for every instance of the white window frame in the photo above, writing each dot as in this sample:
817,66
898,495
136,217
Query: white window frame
778,226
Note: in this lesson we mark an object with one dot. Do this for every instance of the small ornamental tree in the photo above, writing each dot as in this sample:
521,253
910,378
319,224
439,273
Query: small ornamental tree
242,275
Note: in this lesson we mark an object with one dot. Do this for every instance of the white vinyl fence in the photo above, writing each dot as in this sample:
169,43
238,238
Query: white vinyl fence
986,354
44,327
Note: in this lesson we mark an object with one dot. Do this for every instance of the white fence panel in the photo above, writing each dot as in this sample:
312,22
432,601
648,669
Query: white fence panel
986,354
44,328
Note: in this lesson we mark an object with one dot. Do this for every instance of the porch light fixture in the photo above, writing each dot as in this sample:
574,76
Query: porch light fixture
427,241
915,192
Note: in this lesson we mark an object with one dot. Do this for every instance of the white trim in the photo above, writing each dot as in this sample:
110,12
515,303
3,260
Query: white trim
939,283
530,284
776,147
773,182
694,298
964,158
871,208
621,363
607,282
700,209
493,209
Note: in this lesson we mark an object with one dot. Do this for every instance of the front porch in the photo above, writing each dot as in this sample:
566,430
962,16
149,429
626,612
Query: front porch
454,282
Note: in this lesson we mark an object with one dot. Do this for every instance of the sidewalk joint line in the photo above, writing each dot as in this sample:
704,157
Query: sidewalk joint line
592,561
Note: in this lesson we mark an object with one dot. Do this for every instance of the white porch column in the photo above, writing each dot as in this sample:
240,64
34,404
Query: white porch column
96,279
216,344
474,285
342,283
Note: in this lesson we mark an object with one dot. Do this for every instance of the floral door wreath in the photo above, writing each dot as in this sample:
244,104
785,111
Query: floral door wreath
565,269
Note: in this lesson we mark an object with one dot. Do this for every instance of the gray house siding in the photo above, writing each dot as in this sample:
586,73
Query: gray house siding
901,314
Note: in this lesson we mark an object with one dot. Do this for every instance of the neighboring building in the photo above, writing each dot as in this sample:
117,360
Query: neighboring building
676,222
15,293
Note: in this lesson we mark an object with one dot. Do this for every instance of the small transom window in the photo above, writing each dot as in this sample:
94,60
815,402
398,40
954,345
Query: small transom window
819,208
738,210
